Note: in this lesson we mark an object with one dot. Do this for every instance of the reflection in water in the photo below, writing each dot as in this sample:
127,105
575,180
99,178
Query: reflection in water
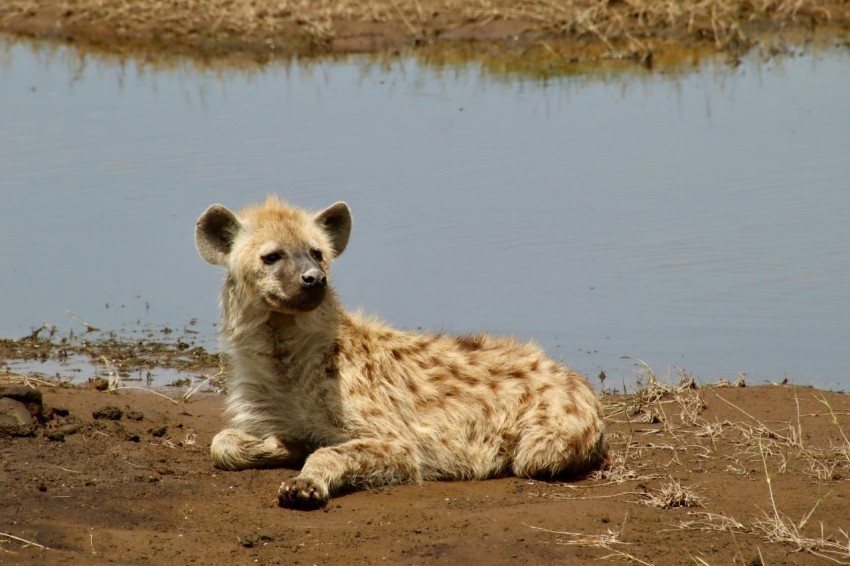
699,221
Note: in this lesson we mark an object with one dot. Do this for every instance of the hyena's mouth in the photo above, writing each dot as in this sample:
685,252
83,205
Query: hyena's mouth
304,301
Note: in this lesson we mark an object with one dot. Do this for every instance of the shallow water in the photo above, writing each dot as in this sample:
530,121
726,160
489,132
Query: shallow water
699,221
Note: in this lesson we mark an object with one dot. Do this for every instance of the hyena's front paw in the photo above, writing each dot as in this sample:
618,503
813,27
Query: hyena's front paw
302,493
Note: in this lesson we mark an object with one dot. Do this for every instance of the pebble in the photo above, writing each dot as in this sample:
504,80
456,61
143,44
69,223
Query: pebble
15,418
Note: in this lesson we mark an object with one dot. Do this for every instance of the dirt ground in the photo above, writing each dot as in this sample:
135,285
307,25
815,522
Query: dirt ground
701,475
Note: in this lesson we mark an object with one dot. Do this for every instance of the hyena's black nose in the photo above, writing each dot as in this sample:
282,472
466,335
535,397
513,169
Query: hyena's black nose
314,278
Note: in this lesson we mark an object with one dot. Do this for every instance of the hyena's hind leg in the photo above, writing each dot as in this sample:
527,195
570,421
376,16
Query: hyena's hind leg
232,449
548,455
563,438
356,463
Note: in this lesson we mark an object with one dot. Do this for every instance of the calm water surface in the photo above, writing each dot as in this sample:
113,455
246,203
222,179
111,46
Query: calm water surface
700,221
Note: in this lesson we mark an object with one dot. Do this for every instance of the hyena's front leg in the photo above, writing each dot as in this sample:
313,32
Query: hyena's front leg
232,449
356,463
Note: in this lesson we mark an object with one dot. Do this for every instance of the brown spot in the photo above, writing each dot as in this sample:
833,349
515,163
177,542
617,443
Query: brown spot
468,378
534,365
437,377
403,352
358,388
452,367
451,391
509,441
423,402
488,410
524,398
373,412
518,374
368,372
413,386
470,343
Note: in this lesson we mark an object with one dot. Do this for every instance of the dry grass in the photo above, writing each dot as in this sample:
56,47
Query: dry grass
115,383
582,539
7,378
619,25
667,432
778,527
604,541
673,494
24,542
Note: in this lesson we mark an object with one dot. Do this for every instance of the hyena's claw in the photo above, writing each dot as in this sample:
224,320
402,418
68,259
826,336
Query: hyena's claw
302,493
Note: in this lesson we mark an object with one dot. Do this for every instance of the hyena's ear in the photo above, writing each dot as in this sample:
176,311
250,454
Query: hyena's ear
335,220
214,234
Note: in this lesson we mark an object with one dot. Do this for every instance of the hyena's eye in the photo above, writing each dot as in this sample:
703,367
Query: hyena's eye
317,255
271,258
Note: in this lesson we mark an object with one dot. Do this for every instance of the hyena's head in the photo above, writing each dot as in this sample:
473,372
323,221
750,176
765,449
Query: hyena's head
279,254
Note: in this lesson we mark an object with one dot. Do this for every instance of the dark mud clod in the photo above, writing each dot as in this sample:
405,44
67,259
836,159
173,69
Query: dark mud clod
22,393
158,431
109,412
55,435
21,410
15,419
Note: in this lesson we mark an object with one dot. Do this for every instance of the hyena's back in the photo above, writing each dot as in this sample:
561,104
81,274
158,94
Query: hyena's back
473,406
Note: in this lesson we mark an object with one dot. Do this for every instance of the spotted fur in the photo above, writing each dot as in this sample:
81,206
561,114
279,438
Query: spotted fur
360,403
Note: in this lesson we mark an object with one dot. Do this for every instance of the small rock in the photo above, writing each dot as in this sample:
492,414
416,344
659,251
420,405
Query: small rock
31,398
109,412
69,428
159,431
55,435
135,415
60,411
15,418
58,434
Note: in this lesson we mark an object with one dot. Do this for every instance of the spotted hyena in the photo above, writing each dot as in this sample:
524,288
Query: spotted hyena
360,403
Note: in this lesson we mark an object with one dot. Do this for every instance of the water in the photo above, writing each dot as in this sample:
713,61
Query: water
698,221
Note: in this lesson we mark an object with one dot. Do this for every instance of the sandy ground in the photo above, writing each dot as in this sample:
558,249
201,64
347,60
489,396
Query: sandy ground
719,475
